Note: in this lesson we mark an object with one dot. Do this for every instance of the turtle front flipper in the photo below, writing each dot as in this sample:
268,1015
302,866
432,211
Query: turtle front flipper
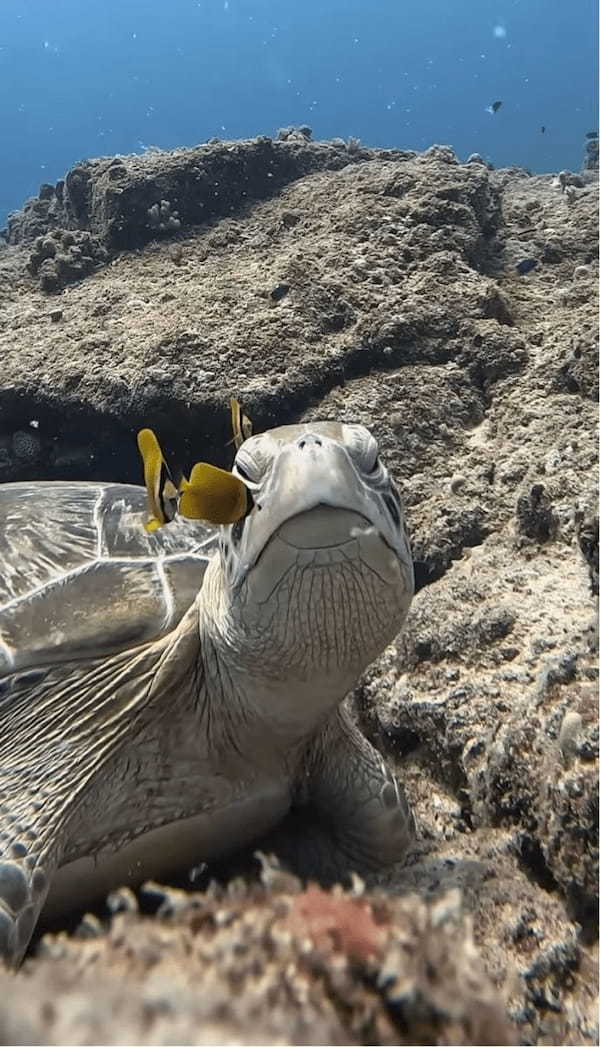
26,868
351,814
356,794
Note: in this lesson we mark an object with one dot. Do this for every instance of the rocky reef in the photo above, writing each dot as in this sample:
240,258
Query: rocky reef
266,964
331,280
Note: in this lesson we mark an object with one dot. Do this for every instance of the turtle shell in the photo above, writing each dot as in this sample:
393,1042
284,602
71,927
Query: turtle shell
80,577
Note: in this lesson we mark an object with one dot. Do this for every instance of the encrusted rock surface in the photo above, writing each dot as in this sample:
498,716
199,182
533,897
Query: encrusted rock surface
379,287
125,201
264,965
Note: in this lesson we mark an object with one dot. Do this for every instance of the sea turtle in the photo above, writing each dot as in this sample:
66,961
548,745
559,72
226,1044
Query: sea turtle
167,697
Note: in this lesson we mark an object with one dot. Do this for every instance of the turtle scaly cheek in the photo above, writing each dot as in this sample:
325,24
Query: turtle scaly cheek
260,580
330,547
280,559
376,554
311,626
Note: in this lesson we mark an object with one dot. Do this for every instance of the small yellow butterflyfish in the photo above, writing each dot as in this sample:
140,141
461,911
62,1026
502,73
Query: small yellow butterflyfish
240,423
212,494
161,492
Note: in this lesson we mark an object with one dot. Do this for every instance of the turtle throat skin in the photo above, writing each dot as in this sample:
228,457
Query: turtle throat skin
317,579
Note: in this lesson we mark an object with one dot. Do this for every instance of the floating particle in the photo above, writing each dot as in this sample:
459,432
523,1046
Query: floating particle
493,108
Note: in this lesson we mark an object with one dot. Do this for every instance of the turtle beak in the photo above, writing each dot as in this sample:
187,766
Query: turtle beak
314,501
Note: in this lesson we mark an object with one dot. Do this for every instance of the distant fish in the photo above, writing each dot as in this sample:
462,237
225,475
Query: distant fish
543,129
592,134
240,423
526,265
493,108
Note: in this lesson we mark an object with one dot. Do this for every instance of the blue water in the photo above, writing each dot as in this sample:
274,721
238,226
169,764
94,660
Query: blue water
83,78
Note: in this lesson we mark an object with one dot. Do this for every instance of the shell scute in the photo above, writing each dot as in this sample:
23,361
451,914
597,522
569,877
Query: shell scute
80,577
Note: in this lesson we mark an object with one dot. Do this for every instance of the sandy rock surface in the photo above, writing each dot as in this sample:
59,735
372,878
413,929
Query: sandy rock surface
380,287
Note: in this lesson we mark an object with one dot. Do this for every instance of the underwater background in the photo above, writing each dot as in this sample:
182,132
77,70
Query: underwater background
83,80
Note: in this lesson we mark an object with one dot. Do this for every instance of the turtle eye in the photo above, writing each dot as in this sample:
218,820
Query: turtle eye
363,448
247,469
242,472
375,467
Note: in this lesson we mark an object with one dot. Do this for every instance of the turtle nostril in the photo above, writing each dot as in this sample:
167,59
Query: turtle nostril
310,439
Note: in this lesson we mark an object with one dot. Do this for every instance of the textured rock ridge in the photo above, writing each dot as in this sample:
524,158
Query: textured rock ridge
274,965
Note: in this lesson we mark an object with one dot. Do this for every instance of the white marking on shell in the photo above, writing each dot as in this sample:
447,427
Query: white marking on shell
119,561
8,654
207,541
167,592
97,518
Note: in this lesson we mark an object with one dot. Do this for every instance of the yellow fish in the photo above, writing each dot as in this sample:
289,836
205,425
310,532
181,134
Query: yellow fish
210,494
161,492
240,423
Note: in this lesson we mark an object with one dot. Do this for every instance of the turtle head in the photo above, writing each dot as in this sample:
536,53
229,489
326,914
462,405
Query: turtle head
317,575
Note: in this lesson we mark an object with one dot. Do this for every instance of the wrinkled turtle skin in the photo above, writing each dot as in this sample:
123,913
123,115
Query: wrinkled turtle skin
166,698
